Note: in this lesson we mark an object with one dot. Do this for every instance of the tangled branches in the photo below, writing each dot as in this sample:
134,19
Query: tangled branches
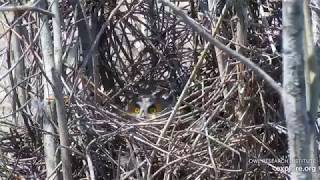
226,125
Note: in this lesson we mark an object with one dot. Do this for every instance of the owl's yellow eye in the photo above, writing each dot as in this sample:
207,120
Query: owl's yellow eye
152,110
136,110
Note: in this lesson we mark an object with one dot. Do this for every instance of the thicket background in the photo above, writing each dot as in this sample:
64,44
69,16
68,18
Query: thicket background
68,69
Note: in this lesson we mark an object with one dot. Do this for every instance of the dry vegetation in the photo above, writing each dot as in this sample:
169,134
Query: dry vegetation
216,133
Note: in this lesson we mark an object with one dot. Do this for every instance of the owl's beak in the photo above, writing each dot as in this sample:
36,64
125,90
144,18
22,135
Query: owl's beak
142,114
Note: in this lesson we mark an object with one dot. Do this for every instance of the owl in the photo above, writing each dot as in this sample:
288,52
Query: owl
147,106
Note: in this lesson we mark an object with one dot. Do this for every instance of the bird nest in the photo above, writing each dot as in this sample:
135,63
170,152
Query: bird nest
207,138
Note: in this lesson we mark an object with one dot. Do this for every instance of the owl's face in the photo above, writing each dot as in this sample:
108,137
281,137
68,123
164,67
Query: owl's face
146,106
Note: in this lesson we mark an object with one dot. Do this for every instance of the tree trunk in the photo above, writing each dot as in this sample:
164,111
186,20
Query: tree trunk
60,108
300,127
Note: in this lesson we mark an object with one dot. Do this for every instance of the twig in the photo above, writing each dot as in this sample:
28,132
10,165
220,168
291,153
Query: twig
26,8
